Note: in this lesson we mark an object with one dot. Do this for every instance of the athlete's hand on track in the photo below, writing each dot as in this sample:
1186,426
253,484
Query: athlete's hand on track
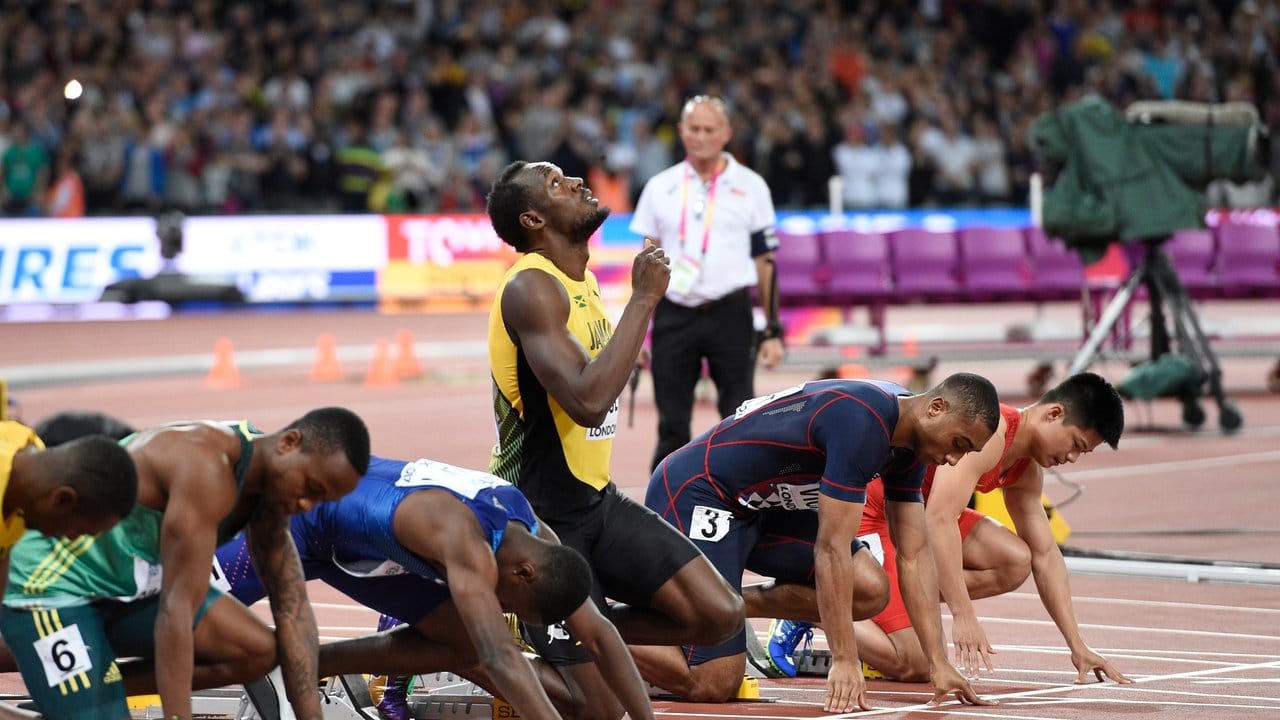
846,690
1086,660
650,272
948,681
972,649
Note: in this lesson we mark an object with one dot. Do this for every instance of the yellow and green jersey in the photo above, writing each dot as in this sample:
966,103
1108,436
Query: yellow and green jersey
558,464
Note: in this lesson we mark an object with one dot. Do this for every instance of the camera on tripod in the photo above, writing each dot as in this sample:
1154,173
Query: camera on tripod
1140,177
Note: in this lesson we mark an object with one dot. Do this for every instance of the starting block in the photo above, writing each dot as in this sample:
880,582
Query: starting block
818,663
441,696
813,663
991,504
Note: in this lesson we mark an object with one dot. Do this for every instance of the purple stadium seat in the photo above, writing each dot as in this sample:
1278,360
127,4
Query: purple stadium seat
1059,272
1249,259
858,264
1191,252
924,263
801,275
993,262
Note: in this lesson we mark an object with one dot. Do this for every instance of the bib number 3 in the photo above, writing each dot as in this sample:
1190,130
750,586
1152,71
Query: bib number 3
63,655
709,524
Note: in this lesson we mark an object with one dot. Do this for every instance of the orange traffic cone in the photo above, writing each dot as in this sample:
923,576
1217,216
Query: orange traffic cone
407,365
382,370
326,367
224,373
910,347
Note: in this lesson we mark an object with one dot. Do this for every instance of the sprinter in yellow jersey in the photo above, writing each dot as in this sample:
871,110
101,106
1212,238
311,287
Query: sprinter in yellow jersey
83,487
558,367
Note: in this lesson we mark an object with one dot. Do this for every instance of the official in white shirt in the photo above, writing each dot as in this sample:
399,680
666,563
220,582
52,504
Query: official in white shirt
715,219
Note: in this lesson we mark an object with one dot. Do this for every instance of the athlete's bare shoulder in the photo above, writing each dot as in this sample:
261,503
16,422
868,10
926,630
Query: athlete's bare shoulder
187,449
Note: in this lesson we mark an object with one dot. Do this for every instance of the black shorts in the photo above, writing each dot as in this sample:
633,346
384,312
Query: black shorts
632,553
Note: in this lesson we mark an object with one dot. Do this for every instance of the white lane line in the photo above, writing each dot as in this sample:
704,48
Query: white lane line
1132,655
1206,463
1147,603
1135,629
1266,657
1065,688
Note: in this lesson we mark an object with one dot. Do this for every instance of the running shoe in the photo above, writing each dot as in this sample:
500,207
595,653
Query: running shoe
394,704
784,637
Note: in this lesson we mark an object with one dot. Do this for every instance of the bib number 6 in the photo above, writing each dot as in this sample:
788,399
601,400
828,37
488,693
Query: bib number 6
63,654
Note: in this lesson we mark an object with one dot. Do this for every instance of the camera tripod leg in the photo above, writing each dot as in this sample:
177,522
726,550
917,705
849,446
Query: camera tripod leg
1085,356
1193,342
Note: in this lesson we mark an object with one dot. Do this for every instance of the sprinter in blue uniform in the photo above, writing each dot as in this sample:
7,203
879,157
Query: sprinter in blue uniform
777,488
448,550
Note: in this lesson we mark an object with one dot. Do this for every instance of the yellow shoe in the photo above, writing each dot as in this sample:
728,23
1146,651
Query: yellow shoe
377,686
513,623
871,673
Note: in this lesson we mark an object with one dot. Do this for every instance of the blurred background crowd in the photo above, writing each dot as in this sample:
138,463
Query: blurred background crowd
413,105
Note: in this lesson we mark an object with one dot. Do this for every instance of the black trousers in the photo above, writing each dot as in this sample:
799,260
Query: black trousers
722,333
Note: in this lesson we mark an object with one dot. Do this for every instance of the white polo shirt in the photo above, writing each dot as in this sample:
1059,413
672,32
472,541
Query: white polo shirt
736,203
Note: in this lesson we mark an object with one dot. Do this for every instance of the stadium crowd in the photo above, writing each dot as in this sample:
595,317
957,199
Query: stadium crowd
344,105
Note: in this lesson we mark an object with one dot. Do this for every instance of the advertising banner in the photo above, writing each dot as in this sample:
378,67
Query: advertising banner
286,258
442,262
71,261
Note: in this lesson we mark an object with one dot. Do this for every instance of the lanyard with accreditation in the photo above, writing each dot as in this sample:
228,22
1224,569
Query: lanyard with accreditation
686,268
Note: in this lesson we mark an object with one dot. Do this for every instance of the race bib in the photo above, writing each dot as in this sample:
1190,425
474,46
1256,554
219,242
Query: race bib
217,578
607,429
63,654
429,473
368,567
709,524
684,273
757,402
147,579
874,545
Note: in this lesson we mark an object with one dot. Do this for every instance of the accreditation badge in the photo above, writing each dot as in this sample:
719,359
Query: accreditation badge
684,273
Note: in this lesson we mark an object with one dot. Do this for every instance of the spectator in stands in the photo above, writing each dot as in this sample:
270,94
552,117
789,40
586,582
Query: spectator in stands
653,155
858,166
521,72
101,160
66,195
359,167
411,174
24,173
991,167
893,176
952,152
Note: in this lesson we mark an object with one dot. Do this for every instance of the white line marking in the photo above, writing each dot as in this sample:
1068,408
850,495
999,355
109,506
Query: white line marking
1065,688
1215,461
1134,629
1117,651
1147,603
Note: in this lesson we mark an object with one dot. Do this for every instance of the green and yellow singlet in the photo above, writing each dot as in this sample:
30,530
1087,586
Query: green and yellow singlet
558,464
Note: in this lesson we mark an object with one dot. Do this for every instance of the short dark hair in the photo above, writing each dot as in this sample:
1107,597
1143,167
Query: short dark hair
508,198
1090,402
973,397
326,430
563,585
63,427
101,472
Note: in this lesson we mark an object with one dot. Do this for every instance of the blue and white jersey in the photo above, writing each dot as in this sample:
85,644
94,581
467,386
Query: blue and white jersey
355,533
